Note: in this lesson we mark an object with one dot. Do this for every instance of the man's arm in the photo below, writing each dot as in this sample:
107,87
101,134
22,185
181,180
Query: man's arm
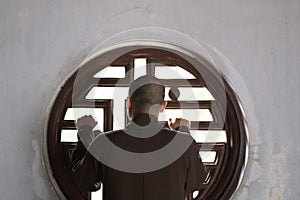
196,170
85,170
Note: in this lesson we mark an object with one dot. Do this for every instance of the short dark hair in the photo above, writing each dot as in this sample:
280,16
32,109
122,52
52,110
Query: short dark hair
145,92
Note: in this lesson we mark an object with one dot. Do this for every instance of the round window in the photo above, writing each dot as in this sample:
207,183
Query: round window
195,90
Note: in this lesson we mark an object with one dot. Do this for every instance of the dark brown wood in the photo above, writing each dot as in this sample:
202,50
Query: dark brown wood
189,104
56,152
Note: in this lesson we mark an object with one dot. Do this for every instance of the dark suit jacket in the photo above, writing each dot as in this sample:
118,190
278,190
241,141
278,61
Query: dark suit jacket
158,164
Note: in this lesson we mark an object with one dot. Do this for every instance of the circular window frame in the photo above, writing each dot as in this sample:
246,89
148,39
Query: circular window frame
236,113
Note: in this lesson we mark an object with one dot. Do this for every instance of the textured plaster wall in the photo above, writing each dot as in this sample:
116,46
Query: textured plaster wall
41,41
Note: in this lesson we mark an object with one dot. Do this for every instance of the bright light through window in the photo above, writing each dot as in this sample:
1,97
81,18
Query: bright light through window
208,156
108,93
192,94
68,136
140,67
97,195
189,114
209,136
172,72
111,72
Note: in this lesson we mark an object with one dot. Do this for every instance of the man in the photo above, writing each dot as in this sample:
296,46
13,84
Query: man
144,161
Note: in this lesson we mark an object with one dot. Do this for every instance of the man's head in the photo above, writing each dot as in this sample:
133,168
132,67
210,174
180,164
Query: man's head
146,95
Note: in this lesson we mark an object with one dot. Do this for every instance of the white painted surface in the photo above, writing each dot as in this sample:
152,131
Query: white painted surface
41,41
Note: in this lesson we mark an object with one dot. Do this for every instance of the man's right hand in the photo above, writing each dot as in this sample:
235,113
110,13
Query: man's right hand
179,122
86,120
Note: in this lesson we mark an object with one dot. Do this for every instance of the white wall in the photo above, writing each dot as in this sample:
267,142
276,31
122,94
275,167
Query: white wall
41,41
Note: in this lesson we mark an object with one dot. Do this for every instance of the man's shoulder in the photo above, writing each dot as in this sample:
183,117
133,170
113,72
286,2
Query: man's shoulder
181,136
109,134
164,130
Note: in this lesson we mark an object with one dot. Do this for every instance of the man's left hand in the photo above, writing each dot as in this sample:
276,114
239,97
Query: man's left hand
86,120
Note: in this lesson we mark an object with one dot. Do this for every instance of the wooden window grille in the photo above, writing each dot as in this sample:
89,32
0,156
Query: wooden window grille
222,143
